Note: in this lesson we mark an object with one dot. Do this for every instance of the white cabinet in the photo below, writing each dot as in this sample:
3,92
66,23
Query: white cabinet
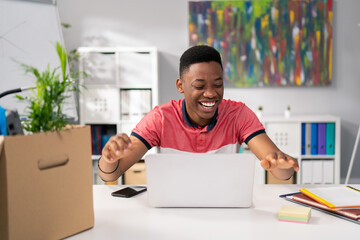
313,140
121,86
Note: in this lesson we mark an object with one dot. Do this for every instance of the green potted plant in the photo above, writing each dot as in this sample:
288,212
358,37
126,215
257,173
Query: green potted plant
45,106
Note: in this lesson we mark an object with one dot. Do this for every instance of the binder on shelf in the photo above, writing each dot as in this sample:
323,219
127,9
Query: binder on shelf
146,107
124,95
308,138
98,139
94,142
144,96
338,197
306,171
314,138
303,136
100,134
104,139
328,171
317,177
135,103
330,138
322,138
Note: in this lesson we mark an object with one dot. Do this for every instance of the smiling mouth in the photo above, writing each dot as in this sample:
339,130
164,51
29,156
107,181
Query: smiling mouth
208,105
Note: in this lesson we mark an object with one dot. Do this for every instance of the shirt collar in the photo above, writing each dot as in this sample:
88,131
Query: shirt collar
190,124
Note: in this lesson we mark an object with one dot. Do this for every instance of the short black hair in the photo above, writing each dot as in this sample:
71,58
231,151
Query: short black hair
198,54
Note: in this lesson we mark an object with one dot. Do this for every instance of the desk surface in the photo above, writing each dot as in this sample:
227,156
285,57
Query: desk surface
121,218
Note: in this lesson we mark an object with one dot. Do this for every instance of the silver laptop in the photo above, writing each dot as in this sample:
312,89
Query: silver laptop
200,180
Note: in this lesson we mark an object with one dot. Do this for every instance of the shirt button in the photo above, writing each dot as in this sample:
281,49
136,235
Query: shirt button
201,142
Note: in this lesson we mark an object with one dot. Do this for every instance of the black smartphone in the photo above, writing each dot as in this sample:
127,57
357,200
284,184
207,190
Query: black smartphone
129,191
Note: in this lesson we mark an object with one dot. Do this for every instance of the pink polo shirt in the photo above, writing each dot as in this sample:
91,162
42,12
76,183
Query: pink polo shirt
168,127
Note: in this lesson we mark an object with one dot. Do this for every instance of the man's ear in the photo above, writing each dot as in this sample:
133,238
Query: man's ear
180,85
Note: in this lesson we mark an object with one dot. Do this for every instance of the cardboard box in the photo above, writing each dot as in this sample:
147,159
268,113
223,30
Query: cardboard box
46,184
136,175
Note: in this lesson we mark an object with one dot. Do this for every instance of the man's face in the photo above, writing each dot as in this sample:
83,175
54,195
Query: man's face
203,88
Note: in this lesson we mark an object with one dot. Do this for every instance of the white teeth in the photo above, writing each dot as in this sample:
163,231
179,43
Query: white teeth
208,104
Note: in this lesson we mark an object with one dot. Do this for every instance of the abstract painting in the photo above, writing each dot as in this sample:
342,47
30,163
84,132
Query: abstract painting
267,42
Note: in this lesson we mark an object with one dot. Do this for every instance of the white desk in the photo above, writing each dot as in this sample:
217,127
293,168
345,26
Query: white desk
121,218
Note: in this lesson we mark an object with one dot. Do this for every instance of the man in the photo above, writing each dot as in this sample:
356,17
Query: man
201,122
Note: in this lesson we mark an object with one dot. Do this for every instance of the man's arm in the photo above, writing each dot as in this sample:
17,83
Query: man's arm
118,155
281,165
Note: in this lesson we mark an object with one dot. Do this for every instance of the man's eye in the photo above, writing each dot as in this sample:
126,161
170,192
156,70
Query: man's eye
218,86
198,87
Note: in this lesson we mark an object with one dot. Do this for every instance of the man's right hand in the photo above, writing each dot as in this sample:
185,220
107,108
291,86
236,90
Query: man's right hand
118,155
116,148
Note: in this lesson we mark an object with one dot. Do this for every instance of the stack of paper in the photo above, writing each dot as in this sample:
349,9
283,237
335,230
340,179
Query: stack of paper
351,213
335,197
294,214
339,201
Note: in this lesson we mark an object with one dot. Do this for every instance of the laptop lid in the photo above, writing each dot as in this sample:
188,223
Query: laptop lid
200,180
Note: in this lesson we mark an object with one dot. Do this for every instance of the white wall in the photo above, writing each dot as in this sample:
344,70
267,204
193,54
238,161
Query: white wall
163,24
28,34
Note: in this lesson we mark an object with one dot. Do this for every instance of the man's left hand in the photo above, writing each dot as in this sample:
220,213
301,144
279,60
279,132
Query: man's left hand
279,160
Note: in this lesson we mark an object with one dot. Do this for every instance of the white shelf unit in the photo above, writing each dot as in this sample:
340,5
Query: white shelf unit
121,86
286,133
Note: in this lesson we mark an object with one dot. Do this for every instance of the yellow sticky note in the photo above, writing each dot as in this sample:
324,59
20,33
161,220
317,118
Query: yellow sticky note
294,214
